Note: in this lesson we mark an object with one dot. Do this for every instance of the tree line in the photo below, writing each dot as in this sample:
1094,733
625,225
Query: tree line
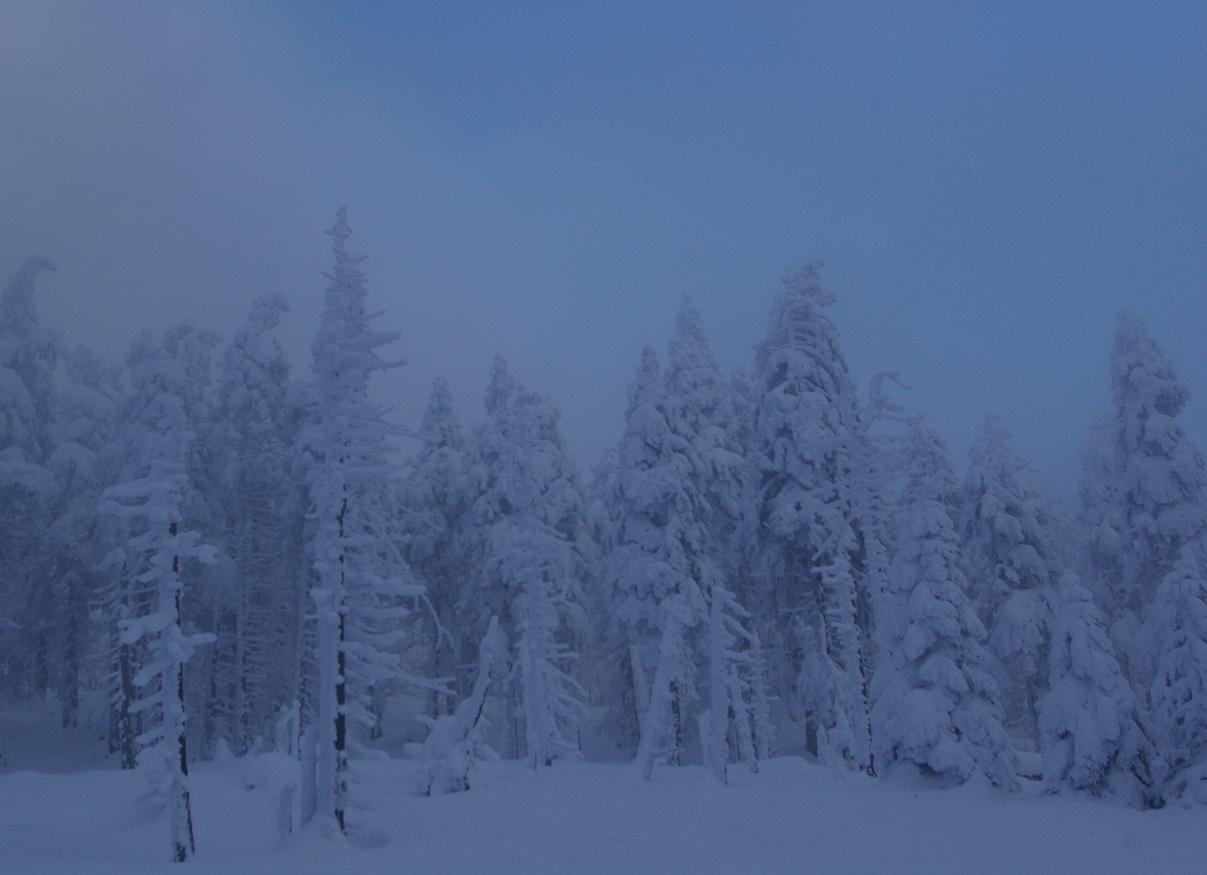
241,556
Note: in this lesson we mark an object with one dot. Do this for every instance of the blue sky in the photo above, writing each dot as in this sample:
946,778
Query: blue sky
986,183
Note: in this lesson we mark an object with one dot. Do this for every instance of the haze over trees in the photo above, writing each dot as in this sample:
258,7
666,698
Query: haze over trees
238,555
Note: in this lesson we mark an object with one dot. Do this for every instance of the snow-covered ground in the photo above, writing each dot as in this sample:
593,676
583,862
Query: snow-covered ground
584,818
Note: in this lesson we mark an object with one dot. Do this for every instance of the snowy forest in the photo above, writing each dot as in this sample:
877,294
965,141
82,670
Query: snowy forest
239,555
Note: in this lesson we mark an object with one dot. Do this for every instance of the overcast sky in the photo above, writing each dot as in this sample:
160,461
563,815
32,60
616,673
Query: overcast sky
986,186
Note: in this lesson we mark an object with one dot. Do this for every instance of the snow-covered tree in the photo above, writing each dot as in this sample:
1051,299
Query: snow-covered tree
457,739
158,421
1006,537
163,417
1177,620
935,702
702,410
656,576
362,580
809,584
156,556
528,565
1143,482
1091,729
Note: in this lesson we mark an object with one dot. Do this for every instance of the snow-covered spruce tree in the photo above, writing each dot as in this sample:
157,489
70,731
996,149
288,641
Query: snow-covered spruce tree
159,418
153,559
258,634
707,412
362,579
170,379
28,492
1091,730
434,499
701,408
935,703
527,566
1143,484
656,577
1007,541
1177,619
808,582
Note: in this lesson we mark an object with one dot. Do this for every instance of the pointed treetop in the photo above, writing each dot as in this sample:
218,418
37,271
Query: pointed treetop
441,427
645,388
340,230
1140,373
992,454
798,324
693,367
805,283
931,477
17,312
688,322
501,388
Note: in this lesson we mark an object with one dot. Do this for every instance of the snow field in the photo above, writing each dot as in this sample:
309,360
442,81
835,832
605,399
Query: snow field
593,818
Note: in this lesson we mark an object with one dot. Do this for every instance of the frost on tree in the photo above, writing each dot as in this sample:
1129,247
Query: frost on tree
1177,620
704,410
935,703
163,417
1143,483
362,582
672,503
655,600
152,560
1091,729
809,579
1006,535
528,568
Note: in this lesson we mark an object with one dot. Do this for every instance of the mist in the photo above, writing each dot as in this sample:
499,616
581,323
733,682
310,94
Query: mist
986,187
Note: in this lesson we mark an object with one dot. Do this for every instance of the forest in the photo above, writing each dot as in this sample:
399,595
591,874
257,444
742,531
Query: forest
241,554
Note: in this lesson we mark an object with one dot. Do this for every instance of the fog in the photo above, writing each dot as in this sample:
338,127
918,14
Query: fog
986,187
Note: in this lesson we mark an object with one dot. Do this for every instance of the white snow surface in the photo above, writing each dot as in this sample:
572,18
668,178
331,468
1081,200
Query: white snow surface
794,816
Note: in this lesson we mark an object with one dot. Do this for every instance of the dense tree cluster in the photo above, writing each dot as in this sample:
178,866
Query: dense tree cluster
240,556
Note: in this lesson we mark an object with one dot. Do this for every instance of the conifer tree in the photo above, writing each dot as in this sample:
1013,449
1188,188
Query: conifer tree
934,700
528,566
156,555
160,417
1091,728
1143,480
1006,538
362,581
1177,620
151,499
657,575
809,583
